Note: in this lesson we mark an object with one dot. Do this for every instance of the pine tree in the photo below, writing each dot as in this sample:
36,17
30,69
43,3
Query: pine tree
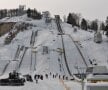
107,20
29,12
102,26
84,24
74,19
94,25
69,18
106,27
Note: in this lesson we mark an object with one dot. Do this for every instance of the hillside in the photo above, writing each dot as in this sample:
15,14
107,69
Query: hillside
38,49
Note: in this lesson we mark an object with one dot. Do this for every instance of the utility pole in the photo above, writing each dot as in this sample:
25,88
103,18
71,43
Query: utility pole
81,73
31,61
35,60
82,82
82,78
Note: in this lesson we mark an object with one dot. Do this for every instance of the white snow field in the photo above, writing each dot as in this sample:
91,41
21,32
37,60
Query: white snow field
45,56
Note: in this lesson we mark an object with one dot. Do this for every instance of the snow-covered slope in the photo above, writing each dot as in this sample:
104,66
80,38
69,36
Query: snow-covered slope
45,55
96,51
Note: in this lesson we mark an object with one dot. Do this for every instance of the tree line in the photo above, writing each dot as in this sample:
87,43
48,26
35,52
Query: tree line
11,12
33,13
75,20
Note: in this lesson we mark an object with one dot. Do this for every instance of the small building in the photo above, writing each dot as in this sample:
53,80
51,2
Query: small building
97,86
46,16
45,50
98,79
98,74
21,10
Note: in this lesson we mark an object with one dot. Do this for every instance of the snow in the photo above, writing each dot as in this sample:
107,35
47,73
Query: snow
53,61
45,85
15,19
96,51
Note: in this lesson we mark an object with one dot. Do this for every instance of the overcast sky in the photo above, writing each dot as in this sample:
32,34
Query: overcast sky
90,9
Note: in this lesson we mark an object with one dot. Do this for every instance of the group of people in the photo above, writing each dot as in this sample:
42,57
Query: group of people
41,77
64,77
37,77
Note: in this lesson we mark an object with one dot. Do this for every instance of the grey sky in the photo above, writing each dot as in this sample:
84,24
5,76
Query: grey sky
90,9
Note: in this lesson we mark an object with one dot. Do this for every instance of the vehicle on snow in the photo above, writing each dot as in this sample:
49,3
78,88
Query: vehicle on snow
14,79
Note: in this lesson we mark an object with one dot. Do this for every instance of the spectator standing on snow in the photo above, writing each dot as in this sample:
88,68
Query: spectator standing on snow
46,76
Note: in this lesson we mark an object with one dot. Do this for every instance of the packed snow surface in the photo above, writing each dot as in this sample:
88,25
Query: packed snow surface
46,55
